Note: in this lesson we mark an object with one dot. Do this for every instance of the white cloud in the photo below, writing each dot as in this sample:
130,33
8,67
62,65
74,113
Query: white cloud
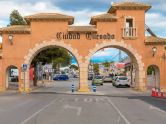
82,16
157,22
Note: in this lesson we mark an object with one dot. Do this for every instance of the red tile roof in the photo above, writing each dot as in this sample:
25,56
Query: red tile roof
49,16
129,6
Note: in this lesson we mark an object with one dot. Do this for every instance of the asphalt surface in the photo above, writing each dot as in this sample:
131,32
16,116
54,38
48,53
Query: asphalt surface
55,105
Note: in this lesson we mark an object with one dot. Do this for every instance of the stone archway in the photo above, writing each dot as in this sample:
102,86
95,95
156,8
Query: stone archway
140,73
12,80
41,46
153,77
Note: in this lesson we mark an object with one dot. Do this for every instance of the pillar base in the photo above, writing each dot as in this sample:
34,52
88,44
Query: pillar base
163,89
140,88
2,89
27,90
84,89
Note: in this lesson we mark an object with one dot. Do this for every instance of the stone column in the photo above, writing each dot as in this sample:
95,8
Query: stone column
24,86
140,81
2,83
83,87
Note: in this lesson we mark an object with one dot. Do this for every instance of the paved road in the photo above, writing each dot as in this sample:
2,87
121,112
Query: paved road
123,106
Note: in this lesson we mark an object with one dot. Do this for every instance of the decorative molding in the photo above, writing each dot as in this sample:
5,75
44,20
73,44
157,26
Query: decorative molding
46,44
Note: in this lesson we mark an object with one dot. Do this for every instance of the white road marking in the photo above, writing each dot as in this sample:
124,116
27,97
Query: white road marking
99,99
88,100
79,109
119,112
156,108
33,115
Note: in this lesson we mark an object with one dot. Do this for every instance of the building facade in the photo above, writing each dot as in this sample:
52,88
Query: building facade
122,27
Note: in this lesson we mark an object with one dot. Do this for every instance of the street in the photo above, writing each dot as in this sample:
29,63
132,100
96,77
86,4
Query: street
57,105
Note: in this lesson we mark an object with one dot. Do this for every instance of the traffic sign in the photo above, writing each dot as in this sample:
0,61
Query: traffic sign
24,67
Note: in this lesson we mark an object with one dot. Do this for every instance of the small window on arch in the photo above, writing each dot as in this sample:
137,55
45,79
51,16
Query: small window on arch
129,22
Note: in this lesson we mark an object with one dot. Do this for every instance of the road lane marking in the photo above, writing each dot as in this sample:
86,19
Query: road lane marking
78,109
99,99
156,108
88,100
119,112
40,110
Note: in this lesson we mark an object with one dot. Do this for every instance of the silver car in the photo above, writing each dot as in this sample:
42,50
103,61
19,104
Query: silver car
122,81
107,79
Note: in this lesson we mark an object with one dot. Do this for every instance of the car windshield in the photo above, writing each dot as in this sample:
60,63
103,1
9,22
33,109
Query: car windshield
122,78
98,77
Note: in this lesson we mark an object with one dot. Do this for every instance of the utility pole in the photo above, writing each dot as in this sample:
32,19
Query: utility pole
120,55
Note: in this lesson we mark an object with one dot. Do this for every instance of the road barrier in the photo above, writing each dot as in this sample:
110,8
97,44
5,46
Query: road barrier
72,88
157,93
94,88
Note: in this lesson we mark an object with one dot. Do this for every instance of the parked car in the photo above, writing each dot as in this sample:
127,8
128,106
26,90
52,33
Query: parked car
97,80
107,79
122,81
75,76
61,77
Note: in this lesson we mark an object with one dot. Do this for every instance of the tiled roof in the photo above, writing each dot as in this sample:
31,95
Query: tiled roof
129,6
155,40
49,16
103,17
15,29
82,29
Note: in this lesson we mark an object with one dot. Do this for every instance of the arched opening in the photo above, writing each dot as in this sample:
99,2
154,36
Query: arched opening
53,69
136,72
153,77
110,63
12,80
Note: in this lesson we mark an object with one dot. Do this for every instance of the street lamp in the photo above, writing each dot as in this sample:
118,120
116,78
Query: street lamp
154,50
10,38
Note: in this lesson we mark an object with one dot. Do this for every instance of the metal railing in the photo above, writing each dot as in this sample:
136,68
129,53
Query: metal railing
130,32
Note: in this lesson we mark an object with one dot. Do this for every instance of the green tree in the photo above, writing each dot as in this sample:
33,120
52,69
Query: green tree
57,56
96,68
106,64
16,18
57,62
150,70
74,67
53,55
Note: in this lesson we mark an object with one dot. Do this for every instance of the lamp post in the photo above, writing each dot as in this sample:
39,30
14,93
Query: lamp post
10,36
154,50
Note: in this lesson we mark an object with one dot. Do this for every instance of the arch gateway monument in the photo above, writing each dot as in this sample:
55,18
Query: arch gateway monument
122,27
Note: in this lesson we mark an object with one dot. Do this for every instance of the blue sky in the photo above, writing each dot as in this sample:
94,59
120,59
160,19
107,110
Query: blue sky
107,54
82,10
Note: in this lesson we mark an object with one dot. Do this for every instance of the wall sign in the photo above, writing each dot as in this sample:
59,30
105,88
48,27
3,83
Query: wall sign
89,36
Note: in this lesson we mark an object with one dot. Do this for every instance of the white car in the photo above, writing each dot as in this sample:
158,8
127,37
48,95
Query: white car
122,81
107,79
